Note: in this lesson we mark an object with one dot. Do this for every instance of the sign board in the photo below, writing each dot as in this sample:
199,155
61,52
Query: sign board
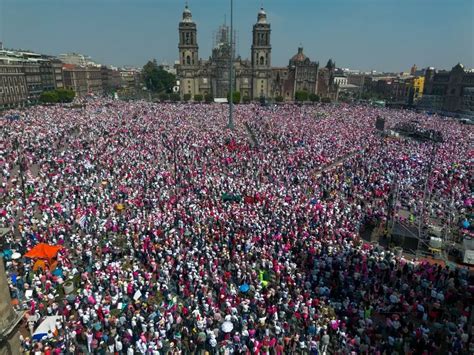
137,295
468,257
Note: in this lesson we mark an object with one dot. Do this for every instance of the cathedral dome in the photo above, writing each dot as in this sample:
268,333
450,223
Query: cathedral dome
299,57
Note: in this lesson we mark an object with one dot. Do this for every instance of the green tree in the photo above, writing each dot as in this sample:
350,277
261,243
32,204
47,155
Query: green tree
164,97
208,98
236,97
246,100
156,78
301,96
65,95
49,97
175,97
198,97
314,98
326,100
186,97
279,99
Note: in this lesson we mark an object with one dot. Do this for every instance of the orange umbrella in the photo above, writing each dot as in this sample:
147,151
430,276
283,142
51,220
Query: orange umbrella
39,264
43,251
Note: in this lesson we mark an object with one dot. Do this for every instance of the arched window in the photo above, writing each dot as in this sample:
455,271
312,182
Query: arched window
188,60
262,60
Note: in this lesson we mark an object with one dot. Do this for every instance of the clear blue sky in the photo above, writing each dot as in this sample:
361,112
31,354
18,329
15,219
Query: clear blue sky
388,35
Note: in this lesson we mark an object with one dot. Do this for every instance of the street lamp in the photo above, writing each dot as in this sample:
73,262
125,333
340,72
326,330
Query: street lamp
231,64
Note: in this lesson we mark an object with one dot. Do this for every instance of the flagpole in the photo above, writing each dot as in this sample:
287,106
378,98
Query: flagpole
231,64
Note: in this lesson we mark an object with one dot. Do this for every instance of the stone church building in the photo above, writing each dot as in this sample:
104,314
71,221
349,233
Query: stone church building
254,78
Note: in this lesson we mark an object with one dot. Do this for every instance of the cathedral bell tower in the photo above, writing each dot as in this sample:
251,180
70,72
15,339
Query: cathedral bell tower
187,70
261,56
188,47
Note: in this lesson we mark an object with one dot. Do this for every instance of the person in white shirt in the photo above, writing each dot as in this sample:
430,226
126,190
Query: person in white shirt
89,336
325,342
118,344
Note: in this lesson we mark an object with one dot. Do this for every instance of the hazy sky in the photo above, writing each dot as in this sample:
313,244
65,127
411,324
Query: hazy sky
388,35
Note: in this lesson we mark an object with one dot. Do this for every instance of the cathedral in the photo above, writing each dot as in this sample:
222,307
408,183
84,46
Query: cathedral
254,78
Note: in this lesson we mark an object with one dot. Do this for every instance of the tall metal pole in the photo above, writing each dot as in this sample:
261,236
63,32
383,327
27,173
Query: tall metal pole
425,192
231,64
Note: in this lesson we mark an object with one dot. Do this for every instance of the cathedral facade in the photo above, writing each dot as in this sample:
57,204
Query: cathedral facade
254,78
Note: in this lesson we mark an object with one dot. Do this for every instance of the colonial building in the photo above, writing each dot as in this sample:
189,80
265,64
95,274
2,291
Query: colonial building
415,86
254,78
83,80
211,77
40,73
300,75
111,79
13,89
131,79
326,85
453,89
75,78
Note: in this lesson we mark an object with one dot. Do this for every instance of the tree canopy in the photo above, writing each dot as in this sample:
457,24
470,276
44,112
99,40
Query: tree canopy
314,98
301,96
208,98
235,97
156,78
58,95
49,97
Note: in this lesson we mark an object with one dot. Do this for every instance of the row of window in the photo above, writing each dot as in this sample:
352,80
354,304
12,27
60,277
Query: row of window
12,80
32,70
12,90
9,69
33,79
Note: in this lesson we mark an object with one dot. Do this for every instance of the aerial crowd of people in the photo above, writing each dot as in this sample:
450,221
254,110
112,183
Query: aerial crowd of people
178,235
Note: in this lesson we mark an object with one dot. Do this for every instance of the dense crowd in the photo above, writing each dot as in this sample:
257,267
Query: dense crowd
181,236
